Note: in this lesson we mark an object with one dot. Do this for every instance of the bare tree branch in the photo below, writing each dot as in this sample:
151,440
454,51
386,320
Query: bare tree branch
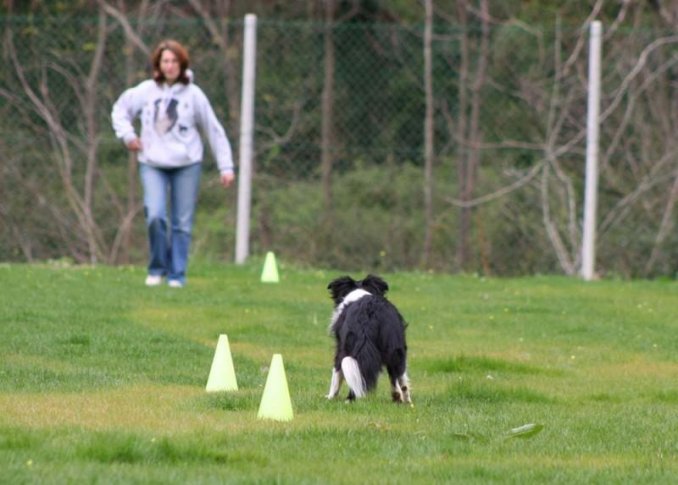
124,22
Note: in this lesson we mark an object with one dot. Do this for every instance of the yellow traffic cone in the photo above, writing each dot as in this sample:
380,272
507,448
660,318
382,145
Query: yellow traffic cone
222,373
270,272
275,402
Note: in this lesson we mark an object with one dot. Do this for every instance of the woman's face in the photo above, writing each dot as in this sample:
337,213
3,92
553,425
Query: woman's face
169,66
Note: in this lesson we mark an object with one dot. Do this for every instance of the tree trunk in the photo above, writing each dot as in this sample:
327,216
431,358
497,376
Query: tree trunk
463,223
475,132
428,135
469,132
327,134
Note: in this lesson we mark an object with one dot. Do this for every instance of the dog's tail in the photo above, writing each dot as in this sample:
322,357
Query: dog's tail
353,376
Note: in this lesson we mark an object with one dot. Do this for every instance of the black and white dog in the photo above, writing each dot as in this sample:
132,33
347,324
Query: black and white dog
370,333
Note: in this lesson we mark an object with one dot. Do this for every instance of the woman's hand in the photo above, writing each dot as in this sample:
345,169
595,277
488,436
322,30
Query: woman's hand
227,179
134,145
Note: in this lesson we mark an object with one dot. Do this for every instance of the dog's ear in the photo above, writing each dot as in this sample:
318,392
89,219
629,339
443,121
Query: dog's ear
341,287
375,285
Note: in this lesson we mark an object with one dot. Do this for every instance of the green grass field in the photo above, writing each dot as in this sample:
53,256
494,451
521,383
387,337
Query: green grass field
102,380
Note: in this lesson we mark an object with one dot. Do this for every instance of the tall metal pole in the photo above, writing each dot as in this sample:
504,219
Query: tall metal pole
246,140
592,126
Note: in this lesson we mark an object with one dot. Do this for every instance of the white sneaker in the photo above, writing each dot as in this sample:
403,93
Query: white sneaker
153,280
175,284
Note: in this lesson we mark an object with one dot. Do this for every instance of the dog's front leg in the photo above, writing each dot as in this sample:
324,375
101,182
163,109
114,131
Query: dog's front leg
337,379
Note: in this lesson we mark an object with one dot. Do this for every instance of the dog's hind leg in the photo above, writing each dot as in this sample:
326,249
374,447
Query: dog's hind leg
400,387
404,382
335,384
397,373
396,391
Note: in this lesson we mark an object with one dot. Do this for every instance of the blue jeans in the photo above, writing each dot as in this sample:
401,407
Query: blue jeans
178,186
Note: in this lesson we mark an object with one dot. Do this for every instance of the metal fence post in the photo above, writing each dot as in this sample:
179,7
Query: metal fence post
246,140
592,127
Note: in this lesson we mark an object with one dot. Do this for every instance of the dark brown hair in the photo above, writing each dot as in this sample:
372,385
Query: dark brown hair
182,56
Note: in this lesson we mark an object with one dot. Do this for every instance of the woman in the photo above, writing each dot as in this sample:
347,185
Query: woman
170,152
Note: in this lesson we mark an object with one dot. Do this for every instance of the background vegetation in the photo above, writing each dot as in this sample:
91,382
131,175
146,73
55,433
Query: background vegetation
360,160
102,380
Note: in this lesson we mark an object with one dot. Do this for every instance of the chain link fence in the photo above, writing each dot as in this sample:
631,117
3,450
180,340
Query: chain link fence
340,174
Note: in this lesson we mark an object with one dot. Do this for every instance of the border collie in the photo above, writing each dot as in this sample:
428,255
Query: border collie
369,333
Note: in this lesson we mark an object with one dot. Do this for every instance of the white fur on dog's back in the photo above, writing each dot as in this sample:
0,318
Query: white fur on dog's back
354,379
355,295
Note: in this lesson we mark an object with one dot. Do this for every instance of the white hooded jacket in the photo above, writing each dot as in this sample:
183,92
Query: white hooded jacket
170,118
